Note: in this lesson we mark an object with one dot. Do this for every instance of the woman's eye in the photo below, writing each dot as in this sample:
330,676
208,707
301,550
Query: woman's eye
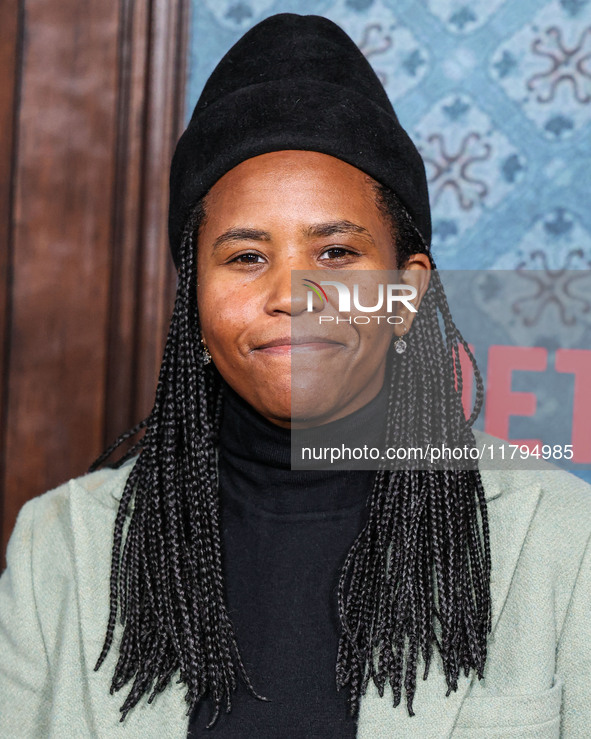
247,258
337,252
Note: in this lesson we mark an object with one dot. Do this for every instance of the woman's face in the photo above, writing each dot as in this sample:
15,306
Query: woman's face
274,213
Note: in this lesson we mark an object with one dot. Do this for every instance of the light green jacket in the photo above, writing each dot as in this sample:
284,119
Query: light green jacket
54,607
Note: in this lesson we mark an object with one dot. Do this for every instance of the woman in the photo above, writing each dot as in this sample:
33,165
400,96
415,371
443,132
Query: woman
224,561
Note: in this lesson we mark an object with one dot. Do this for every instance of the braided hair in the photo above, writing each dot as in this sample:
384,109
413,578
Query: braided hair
419,568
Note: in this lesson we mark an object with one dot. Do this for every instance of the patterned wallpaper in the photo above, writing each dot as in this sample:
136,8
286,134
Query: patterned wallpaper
496,94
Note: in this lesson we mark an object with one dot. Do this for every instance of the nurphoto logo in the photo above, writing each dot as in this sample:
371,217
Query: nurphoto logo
386,297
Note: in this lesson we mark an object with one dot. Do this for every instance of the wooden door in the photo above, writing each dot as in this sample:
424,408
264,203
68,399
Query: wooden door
91,106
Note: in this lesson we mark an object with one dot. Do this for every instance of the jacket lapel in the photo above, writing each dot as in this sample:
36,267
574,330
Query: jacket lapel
164,718
510,509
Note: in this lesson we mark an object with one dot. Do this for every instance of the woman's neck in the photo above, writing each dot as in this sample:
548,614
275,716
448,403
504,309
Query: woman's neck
256,455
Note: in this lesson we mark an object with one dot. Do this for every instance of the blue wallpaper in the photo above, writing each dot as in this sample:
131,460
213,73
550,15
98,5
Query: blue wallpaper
496,95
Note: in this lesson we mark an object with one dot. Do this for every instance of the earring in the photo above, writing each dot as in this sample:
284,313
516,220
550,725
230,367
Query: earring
400,344
206,354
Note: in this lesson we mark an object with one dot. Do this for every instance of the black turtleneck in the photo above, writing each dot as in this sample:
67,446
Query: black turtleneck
285,536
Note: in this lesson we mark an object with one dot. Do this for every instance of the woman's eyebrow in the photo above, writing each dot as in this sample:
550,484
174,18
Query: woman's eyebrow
241,234
331,228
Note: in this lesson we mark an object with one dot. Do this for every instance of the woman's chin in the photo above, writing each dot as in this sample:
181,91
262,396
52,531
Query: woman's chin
301,407
313,404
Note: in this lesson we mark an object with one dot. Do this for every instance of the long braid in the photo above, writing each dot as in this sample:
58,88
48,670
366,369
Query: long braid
417,577
421,553
168,580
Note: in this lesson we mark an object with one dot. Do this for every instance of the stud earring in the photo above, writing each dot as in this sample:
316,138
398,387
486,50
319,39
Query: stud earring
206,354
400,344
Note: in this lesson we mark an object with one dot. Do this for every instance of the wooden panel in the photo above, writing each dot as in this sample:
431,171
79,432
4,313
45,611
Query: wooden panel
102,87
167,85
127,220
144,278
10,44
61,245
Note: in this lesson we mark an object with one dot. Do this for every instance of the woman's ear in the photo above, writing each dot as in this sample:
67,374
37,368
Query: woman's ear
416,272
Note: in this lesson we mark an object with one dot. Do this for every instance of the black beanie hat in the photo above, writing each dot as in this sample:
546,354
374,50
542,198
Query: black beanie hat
294,82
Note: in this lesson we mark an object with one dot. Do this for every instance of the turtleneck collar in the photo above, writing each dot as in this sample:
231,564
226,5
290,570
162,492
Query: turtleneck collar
255,460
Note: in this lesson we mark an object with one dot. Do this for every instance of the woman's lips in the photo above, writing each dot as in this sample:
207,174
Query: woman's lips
306,346
289,344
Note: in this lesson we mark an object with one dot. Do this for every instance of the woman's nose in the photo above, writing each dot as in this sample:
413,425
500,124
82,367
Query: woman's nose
286,294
